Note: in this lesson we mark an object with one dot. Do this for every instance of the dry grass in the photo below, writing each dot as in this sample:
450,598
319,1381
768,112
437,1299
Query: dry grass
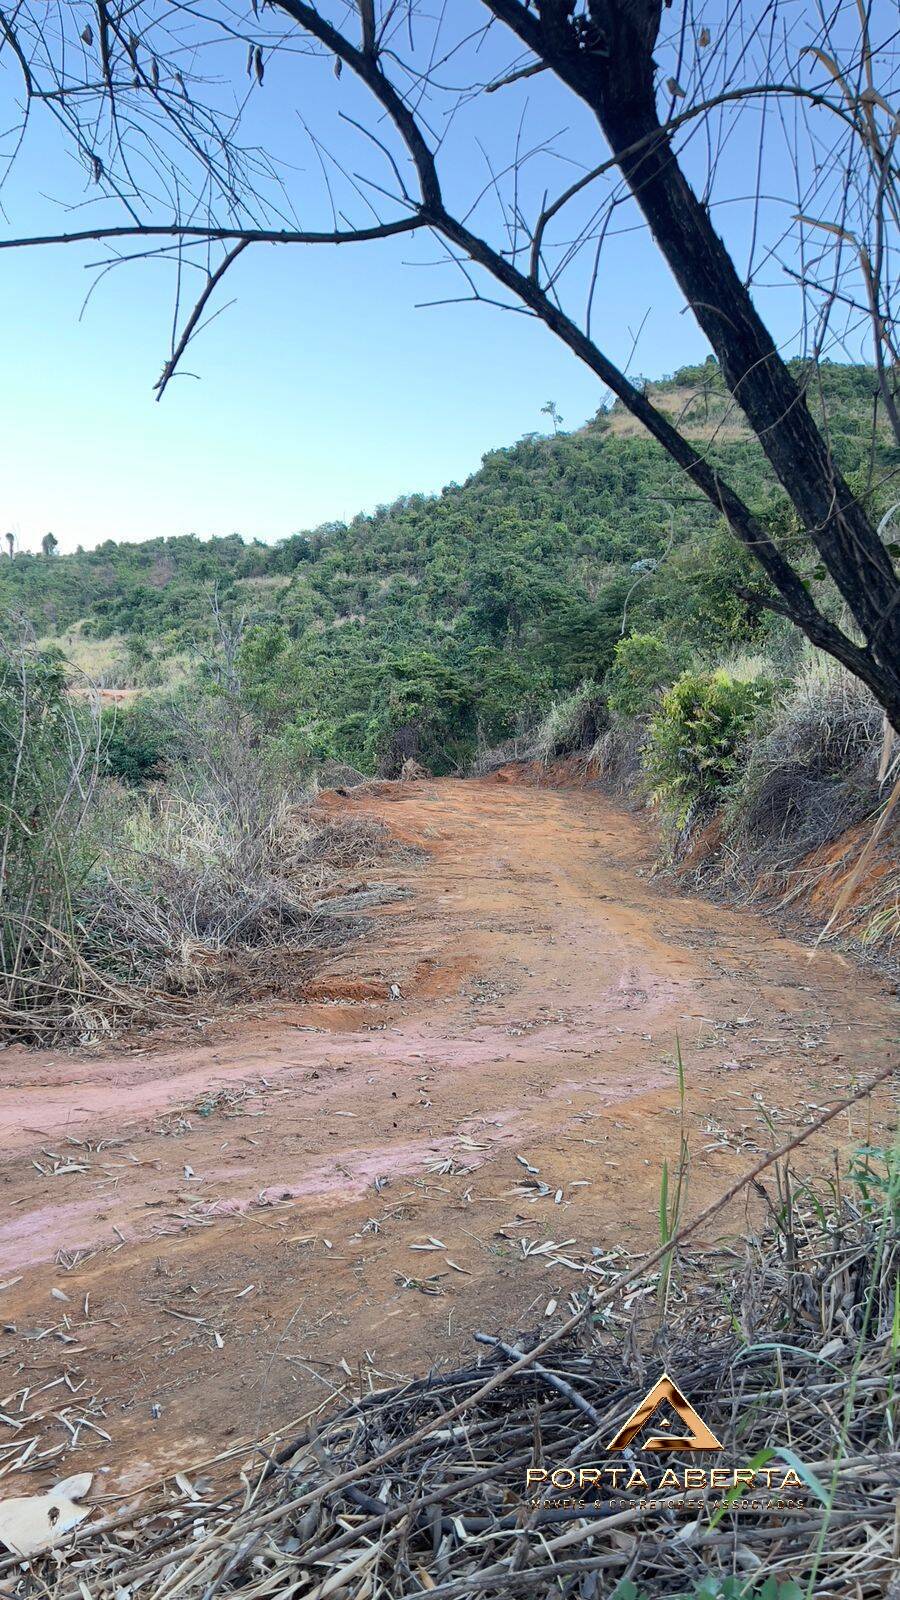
199,909
815,773
492,758
572,725
713,418
616,758
787,1346
103,664
183,916
121,906
99,661
808,796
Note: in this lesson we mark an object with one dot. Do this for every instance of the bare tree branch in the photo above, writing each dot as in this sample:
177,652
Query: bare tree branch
180,230
193,321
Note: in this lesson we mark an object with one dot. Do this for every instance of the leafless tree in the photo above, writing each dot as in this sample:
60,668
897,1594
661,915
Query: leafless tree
552,411
150,92
229,627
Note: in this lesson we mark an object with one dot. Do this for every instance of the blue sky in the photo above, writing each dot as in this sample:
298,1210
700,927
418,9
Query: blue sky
322,390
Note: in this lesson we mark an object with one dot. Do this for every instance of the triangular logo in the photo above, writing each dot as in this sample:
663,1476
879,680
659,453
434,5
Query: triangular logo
700,1437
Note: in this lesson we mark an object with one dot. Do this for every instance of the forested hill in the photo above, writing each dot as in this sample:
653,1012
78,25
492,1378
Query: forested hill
467,610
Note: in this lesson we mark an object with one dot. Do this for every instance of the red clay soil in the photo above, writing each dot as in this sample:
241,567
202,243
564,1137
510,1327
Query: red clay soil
200,1243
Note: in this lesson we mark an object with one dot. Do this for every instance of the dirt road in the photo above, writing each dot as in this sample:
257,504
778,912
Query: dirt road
199,1243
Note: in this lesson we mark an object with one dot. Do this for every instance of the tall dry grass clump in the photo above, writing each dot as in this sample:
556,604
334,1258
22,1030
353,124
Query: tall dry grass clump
808,824
120,905
815,773
573,724
50,766
617,758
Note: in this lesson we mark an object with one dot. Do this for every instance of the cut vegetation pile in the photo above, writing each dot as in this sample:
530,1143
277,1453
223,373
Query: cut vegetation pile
787,1347
124,904
155,934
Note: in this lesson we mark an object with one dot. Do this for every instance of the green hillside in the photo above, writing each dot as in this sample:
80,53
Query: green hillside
462,613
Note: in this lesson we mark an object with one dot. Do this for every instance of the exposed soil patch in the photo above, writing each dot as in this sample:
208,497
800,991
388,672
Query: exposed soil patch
234,1225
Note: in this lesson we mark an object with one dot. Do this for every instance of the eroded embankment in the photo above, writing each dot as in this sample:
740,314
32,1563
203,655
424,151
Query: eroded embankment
848,884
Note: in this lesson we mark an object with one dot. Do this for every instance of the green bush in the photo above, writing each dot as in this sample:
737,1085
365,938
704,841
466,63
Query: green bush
137,740
643,665
717,1587
424,710
700,591
510,695
32,747
695,737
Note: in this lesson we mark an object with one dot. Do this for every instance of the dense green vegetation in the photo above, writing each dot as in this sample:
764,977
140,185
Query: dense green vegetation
696,736
441,624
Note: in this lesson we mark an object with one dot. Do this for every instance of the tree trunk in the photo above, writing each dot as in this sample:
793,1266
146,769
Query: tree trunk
767,393
609,64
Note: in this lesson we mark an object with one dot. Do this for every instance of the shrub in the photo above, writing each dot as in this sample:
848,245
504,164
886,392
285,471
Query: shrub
644,664
511,695
617,757
116,901
424,710
50,758
698,593
227,772
573,724
137,741
186,877
814,773
695,737
828,720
